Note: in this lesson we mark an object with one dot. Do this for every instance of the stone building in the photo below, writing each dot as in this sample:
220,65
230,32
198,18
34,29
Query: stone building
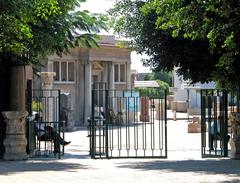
78,71
187,97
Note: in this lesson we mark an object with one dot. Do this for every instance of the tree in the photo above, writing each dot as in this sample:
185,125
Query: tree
195,36
148,76
163,76
32,29
214,22
164,51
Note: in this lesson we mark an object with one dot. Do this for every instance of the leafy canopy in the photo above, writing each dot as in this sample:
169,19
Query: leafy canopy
214,21
32,29
200,37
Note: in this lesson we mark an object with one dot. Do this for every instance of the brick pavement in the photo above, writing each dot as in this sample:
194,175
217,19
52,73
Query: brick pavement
184,164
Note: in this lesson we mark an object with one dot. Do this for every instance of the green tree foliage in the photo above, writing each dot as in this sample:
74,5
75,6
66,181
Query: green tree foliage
161,75
164,51
32,29
151,92
148,76
200,37
215,22
163,86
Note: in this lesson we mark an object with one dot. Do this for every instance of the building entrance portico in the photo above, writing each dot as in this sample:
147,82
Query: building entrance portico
77,71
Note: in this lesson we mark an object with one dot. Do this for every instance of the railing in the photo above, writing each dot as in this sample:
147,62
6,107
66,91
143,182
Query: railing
46,139
216,106
128,124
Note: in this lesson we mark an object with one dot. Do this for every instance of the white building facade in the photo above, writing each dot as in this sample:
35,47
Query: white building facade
188,94
78,71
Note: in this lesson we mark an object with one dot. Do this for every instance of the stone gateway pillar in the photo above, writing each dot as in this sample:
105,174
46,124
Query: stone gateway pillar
15,142
235,141
17,88
47,84
87,91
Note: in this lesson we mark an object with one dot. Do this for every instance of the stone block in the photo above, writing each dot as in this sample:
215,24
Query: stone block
15,142
194,127
66,113
196,119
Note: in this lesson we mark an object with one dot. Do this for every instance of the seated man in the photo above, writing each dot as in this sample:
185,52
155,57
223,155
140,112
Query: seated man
47,133
215,132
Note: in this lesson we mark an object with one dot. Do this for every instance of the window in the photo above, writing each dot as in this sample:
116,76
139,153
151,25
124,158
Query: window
119,72
64,71
116,74
71,71
122,73
56,70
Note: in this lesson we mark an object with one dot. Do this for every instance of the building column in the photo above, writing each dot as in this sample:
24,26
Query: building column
128,75
111,76
18,87
105,75
79,104
111,86
48,106
15,142
87,91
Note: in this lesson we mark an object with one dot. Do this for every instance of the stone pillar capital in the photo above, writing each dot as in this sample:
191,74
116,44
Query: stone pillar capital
47,78
15,142
13,115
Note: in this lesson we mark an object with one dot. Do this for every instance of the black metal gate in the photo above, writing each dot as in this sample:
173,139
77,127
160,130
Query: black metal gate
46,104
128,123
216,105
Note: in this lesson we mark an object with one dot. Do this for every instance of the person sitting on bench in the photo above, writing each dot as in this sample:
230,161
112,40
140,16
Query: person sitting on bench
215,132
47,133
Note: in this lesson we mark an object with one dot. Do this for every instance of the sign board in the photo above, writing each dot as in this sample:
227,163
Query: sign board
132,101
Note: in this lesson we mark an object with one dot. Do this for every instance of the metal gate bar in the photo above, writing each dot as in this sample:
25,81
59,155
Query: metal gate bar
45,103
216,105
128,124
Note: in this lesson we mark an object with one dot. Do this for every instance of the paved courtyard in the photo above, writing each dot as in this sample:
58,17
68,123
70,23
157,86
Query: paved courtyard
184,164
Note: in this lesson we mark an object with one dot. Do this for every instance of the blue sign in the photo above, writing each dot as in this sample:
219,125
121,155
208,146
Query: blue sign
132,101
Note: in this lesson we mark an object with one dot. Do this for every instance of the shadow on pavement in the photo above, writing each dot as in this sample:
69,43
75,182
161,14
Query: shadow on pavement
12,167
206,166
232,181
76,156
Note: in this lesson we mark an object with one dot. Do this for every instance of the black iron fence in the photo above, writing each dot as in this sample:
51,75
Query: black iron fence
46,139
45,133
216,106
128,124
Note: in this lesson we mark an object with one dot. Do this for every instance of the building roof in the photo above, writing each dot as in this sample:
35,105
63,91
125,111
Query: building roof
210,85
107,40
146,84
